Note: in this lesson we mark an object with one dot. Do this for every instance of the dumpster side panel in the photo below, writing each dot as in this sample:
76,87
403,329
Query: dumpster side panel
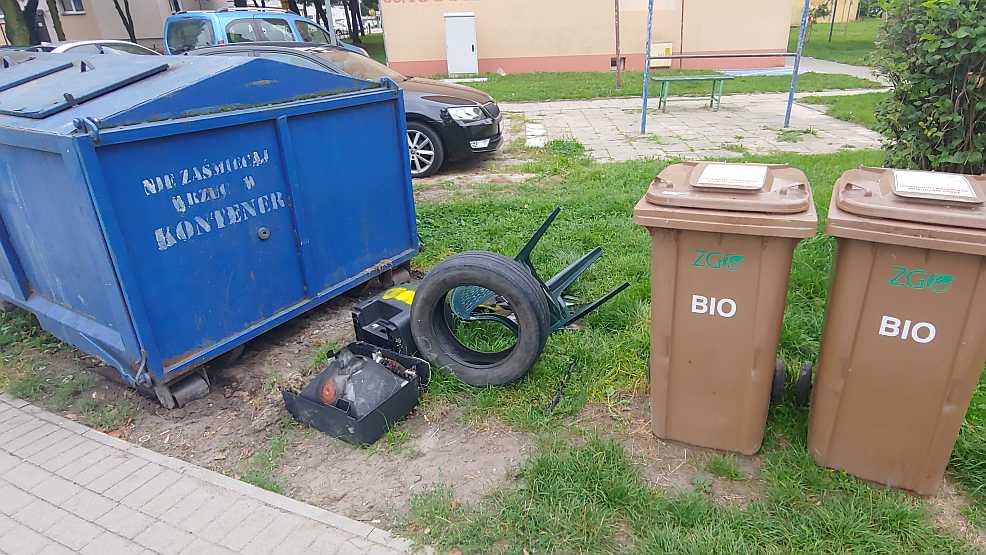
356,190
892,388
55,261
723,290
235,222
206,219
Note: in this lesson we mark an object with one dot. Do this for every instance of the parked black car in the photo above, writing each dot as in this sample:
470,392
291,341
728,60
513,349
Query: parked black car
445,121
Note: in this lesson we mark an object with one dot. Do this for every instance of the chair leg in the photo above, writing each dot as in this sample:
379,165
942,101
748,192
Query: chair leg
563,279
524,256
586,309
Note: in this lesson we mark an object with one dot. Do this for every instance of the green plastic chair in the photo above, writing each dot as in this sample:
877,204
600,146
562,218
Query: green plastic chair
464,301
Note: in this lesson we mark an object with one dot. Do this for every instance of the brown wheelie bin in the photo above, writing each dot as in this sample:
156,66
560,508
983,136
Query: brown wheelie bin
722,237
905,330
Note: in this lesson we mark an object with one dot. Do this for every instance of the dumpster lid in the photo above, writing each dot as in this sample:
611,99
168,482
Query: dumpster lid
14,74
929,210
768,188
916,196
38,97
751,199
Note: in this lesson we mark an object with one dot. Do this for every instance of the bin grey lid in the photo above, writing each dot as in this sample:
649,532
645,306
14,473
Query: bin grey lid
32,96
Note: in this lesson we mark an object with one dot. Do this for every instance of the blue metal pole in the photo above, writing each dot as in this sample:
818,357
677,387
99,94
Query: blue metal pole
650,26
797,65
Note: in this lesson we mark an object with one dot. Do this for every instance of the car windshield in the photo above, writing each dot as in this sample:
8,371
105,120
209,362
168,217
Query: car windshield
357,65
187,34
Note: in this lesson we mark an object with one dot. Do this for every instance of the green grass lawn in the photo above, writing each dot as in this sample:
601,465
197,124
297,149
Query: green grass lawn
373,44
589,495
578,85
856,108
852,42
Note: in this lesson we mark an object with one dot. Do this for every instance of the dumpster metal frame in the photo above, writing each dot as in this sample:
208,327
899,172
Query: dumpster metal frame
79,154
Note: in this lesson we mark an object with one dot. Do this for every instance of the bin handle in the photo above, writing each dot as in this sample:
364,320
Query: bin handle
803,187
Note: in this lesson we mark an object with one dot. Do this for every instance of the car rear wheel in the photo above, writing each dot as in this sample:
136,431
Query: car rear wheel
426,150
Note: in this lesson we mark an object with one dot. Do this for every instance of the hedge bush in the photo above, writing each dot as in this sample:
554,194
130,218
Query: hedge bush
934,54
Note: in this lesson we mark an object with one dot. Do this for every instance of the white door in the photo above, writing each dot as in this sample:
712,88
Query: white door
460,43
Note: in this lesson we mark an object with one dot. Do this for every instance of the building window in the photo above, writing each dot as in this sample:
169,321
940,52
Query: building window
72,6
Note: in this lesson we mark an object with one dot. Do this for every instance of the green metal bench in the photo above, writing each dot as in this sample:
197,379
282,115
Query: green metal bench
714,99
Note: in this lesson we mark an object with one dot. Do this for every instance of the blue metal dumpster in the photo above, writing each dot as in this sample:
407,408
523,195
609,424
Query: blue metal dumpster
157,212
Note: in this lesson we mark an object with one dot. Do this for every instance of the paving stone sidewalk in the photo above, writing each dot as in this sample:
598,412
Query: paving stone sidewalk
609,128
65,488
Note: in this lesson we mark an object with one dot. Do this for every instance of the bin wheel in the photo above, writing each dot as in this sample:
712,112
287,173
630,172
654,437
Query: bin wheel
432,321
780,380
802,387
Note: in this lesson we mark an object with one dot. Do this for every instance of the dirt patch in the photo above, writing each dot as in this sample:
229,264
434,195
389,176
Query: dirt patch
242,423
377,483
948,506
668,465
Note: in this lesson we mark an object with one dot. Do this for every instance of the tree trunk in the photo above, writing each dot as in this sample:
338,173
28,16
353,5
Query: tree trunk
320,13
15,28
30,18
126,17
356,27
241,4
56,20
349,20
293,7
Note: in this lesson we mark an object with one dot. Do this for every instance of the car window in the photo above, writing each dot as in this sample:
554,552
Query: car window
241,30
357,65
188,34
274,30
84,49
311,33
120,48
292,59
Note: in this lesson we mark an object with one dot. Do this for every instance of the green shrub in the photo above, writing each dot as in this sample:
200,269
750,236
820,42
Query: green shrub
932,51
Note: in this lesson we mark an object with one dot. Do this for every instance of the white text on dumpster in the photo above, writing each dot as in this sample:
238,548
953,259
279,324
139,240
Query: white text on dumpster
713,306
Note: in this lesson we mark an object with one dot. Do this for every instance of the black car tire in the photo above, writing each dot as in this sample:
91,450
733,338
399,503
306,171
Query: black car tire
417,133
504,276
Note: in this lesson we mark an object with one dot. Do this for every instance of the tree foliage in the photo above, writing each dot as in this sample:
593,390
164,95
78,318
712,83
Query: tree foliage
934,54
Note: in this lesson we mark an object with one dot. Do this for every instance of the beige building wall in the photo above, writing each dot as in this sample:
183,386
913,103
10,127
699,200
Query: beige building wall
579,35
101,21
845,11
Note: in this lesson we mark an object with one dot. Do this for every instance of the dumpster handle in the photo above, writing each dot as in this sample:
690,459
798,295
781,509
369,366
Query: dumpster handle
89,126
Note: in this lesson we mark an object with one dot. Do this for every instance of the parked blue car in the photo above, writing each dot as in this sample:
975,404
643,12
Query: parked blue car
188,30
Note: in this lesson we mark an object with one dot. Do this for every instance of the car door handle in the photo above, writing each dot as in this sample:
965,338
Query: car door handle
474,48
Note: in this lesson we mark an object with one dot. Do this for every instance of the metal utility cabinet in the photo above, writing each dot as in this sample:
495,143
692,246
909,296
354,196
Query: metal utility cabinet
157,212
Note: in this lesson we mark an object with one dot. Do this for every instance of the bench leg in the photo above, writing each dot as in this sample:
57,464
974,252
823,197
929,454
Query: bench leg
712,97
665,90
719,98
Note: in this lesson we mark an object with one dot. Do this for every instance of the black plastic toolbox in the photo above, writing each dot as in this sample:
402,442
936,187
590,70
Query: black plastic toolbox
335,420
